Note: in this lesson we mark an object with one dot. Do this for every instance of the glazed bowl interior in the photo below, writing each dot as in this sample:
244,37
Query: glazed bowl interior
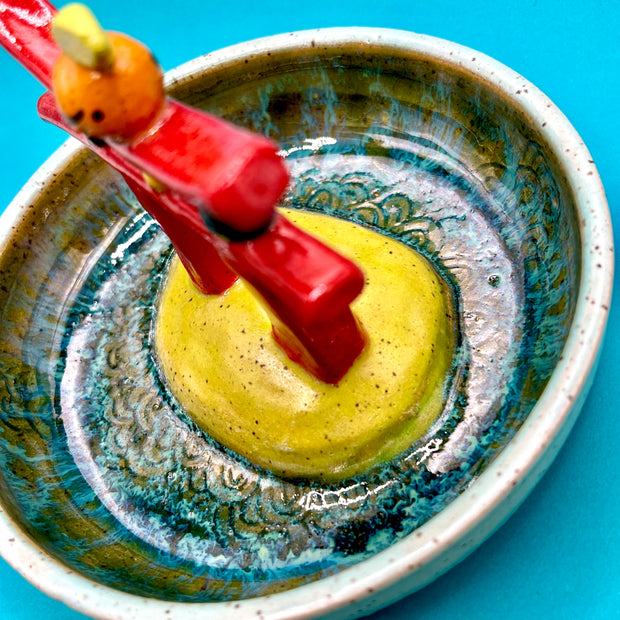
105,479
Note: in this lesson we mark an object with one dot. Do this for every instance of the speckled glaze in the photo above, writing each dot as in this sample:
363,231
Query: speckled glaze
114,502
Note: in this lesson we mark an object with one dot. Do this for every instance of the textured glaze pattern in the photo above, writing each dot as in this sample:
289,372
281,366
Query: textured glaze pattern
104,471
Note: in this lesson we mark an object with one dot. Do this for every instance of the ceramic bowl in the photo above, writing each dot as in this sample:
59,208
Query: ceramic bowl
114,502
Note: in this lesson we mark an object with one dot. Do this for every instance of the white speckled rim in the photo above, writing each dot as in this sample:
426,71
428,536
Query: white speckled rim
477,512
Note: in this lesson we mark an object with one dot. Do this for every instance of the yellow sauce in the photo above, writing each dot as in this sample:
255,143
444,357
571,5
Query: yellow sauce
221,363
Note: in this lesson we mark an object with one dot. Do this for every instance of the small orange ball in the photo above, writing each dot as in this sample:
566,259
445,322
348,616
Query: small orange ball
120,102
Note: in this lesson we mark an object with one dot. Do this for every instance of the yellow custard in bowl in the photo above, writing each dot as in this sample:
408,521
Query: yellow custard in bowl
219,360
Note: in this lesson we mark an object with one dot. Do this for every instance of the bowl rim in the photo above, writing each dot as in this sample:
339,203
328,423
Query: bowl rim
479,510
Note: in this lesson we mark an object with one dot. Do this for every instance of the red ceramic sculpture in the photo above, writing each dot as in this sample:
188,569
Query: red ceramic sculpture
213,187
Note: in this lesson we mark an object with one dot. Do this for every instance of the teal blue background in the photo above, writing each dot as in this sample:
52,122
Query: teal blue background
559,554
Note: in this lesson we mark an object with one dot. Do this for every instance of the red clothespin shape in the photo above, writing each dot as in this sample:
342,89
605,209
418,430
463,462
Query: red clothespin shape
231,178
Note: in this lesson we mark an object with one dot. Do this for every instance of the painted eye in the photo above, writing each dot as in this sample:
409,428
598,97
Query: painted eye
78,116
97,116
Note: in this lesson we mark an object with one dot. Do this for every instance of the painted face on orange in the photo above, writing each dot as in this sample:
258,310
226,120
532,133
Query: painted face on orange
119,102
